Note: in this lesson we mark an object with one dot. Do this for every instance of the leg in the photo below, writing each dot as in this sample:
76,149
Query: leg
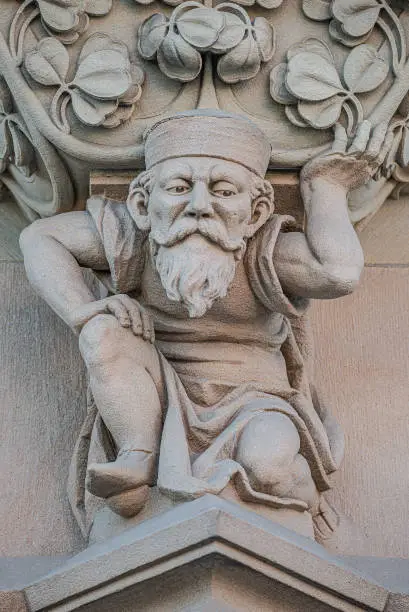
125,378
268,449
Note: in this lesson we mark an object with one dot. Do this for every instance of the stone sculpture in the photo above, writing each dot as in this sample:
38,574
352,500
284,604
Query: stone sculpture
198,357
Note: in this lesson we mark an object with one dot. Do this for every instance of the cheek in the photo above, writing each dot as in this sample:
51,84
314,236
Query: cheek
236,212
163,210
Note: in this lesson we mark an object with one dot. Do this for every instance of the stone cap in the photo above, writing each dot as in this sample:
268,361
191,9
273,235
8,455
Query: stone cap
208,133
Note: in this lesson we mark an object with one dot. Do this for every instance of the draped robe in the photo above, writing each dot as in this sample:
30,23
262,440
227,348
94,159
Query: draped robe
248,354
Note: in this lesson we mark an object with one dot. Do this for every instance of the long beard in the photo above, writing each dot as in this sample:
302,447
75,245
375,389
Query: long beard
194,271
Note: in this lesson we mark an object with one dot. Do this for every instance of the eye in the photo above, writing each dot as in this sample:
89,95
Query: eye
178,187
224,189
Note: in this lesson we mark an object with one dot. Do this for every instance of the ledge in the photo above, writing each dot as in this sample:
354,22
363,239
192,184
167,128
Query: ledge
200,530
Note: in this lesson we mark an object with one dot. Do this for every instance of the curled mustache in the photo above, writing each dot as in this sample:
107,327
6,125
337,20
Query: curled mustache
208,228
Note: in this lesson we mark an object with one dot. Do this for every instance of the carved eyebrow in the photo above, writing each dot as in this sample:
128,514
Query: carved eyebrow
182,172
218,173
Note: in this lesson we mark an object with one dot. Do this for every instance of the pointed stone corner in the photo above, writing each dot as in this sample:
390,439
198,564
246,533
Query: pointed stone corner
208,554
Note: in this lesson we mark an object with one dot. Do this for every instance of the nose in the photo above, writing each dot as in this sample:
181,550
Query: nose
199,205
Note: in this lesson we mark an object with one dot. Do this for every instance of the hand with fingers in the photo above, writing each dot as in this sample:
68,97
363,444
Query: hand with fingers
351,165
128,312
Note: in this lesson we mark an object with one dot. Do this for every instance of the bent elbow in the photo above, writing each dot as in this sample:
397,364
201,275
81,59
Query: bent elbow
343,280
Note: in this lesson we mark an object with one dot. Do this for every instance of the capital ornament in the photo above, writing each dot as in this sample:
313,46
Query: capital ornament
197,348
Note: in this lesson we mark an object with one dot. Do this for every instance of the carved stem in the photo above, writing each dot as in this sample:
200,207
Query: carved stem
21,35
350,117
396,61
208,96
13,27
401,33
388,105
58,110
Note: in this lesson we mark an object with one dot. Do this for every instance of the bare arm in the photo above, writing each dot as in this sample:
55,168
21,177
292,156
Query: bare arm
326,261
54,249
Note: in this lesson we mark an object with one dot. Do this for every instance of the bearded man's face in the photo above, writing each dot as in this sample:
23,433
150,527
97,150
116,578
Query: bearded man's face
199,211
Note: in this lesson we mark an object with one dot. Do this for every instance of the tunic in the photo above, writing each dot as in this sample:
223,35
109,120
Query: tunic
247,354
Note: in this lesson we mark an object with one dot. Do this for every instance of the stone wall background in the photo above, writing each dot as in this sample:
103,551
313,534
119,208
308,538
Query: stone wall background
362,365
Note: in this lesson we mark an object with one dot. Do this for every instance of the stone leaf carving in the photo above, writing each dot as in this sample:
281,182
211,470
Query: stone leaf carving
15,147
178,43
396,163
105,86
313,91
63,19
352,23
38,187
267,4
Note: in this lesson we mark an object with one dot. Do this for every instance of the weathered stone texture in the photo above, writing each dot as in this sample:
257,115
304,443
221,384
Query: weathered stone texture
363,366
40,415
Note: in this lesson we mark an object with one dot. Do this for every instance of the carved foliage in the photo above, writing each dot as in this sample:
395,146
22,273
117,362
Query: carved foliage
352,23
313,91
178,43
15,147
68,19
105,86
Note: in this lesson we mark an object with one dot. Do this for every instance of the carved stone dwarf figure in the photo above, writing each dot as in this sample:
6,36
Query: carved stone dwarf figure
198,357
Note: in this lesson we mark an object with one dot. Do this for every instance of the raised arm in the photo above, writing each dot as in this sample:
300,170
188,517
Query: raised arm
54,249
326,261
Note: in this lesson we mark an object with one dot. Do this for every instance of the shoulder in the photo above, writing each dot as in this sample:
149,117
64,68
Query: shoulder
104,210
263,242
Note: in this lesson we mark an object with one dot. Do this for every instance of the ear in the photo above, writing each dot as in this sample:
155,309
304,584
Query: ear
261,210
137,203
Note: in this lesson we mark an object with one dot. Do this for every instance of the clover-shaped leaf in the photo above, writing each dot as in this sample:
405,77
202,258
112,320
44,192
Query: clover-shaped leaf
242,62
232,33
337,33
102,42
48,63
318,10
193,29
312,45
103,74
278,88
90,111
97,8
321,115
59,17
263,34
365,69
357,17
68,19
310,77
103,81
152,33
177,59
268,4
133,94
200,27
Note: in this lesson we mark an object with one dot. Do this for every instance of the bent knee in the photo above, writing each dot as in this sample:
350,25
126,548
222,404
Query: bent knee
103,340
269,442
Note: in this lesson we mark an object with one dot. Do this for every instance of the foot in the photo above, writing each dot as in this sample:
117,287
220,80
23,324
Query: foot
131,470
128,503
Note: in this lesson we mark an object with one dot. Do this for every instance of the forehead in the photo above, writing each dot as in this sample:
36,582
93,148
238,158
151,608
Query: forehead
203,168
